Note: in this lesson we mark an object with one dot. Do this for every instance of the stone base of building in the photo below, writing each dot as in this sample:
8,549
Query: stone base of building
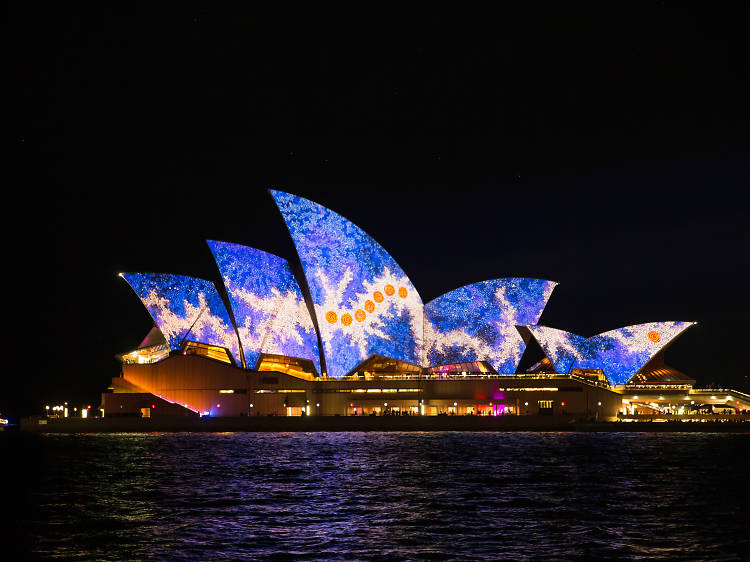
364,423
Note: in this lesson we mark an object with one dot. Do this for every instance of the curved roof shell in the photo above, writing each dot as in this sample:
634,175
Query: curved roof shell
477,322
364,302
561,348
185,308
269,310
619,353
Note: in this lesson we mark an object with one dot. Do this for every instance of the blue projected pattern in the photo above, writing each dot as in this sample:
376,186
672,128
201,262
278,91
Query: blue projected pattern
620,353
478,322
268,306
185,309
561,348
364,302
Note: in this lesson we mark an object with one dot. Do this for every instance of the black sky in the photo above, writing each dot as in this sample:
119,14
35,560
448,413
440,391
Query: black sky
606,150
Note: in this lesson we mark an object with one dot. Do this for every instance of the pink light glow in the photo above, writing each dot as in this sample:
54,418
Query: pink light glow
183,405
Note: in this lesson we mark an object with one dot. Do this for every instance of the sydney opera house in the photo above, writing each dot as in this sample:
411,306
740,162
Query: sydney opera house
343,331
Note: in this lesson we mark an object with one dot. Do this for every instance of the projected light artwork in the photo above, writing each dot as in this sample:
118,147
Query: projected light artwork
364,302
185,309
561,348
620,353
267,303
361,305
478,322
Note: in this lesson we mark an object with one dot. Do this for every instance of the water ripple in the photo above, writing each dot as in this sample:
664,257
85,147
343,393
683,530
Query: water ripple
380,496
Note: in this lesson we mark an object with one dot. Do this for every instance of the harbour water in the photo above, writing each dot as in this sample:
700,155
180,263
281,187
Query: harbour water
369,495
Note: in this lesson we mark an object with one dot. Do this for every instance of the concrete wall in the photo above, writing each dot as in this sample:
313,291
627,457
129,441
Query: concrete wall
134,404
195,381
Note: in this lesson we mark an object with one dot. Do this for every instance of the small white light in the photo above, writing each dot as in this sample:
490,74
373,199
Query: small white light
525,403
599,403
385,403
251,405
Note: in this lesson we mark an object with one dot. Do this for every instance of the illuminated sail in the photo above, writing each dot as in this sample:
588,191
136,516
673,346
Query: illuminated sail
185,309
619,353
562,348
364,302
268,306
478,322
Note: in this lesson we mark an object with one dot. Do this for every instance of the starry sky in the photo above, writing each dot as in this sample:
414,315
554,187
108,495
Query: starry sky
604,150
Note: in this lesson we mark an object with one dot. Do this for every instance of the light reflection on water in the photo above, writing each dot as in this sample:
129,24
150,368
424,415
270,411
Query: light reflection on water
389,495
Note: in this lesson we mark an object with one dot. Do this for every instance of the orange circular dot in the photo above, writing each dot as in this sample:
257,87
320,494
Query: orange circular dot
378,296
331,316
370,306
346,319
359,315
389,290
402,292
654,336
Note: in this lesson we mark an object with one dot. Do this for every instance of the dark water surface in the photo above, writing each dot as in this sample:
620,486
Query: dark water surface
378,495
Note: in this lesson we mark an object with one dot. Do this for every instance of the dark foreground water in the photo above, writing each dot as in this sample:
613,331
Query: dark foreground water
377,495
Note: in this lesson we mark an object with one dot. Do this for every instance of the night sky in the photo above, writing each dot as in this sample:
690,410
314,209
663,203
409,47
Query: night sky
607,151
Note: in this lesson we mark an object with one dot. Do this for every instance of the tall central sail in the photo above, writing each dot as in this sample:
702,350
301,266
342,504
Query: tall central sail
364,302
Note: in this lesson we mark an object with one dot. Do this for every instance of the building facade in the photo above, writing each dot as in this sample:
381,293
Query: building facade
352,336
